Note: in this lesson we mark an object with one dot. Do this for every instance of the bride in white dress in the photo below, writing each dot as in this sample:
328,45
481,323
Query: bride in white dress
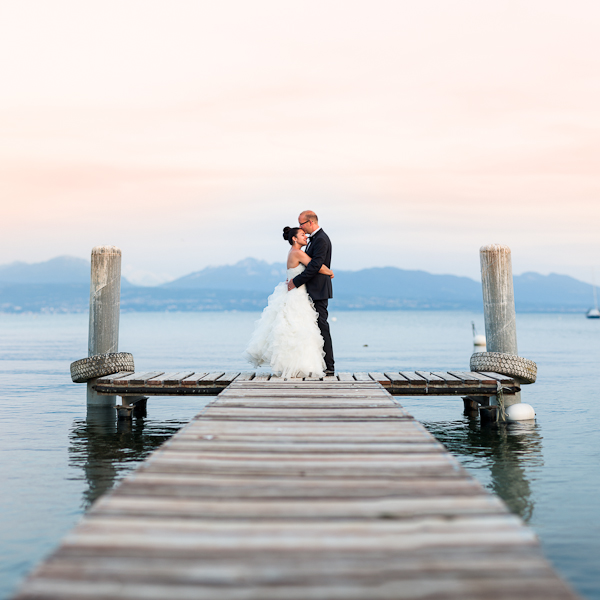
287,336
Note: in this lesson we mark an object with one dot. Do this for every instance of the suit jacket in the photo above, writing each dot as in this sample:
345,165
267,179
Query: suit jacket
318,285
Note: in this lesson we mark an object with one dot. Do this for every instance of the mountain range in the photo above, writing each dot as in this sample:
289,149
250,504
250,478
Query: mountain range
62,285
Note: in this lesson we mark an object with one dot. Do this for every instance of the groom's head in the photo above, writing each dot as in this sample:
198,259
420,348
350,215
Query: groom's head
308,221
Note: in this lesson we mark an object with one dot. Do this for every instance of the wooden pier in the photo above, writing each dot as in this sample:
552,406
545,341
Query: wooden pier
404,383
298,490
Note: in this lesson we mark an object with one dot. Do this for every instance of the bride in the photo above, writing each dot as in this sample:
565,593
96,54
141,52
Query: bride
287,336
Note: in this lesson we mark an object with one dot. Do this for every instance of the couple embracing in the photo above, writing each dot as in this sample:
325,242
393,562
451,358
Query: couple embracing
292,334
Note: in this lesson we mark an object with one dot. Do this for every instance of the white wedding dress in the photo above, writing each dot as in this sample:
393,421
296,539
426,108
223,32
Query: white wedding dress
287,336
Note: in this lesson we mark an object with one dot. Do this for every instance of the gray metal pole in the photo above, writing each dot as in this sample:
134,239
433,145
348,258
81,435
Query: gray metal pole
105,301
499,303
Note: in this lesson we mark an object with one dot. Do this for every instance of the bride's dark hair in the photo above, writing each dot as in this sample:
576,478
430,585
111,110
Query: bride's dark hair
289,233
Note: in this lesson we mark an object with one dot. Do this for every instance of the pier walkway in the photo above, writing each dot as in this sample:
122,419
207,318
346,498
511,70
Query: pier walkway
297,491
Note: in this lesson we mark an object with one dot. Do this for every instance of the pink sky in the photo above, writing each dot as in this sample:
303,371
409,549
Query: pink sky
189,133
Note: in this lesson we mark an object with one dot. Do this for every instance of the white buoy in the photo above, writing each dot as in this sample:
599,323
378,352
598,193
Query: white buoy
478,339
479,342
520,412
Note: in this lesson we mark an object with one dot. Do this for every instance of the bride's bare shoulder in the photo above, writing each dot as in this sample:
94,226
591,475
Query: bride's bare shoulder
294,258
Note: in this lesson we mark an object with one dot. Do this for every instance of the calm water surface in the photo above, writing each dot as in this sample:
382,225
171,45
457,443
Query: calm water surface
56,458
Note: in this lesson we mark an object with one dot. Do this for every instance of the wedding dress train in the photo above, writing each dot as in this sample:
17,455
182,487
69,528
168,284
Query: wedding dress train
287,336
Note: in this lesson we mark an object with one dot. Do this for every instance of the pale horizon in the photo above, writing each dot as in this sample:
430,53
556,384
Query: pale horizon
188,134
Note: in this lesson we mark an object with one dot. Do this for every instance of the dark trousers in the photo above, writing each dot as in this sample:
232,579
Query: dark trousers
321,308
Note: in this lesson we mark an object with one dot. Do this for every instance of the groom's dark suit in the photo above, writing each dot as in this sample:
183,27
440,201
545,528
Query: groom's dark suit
319,286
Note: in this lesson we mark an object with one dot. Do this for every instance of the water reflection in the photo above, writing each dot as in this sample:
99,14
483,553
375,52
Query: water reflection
106,449
509,452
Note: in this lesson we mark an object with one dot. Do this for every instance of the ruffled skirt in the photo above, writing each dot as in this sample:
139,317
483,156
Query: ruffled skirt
287,336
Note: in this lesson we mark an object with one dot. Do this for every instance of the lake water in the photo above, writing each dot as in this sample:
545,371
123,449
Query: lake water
56,459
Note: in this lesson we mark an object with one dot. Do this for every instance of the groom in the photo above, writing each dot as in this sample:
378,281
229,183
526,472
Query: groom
318,285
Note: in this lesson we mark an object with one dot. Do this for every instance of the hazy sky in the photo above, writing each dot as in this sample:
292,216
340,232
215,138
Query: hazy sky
189,132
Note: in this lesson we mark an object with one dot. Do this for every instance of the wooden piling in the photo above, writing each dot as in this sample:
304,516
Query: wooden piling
105,300
499,304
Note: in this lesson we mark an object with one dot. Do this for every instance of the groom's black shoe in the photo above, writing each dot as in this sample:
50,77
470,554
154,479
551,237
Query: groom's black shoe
329,373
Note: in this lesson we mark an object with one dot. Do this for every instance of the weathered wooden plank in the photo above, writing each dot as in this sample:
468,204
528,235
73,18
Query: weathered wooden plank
413,378
139,378
193,442
354,508
228,377
259,413
174,378
113,377
455,572
499,377
212,377
305,389
473,378
245,376
396,378
400,466
345,377
261,377
307,583
431,378
362,377
194,379
281,383
164,483
379,378
451,380
267,403
368,428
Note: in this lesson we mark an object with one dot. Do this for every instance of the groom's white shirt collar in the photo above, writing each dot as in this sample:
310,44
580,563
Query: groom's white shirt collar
315,231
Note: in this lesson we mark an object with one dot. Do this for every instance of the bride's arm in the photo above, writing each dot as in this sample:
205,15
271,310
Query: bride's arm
305,259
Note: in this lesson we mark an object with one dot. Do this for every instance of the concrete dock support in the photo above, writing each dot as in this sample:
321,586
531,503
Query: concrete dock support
105,302
499,304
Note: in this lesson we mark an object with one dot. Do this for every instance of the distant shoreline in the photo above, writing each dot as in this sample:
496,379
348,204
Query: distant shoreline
61,285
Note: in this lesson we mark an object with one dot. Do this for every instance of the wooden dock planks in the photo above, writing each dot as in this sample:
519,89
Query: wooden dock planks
402,383
299,491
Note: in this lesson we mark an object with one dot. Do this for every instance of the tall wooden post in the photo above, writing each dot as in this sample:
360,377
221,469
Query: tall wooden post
105,301
499,303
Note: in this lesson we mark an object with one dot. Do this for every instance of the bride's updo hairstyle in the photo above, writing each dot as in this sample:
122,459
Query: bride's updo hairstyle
289,233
